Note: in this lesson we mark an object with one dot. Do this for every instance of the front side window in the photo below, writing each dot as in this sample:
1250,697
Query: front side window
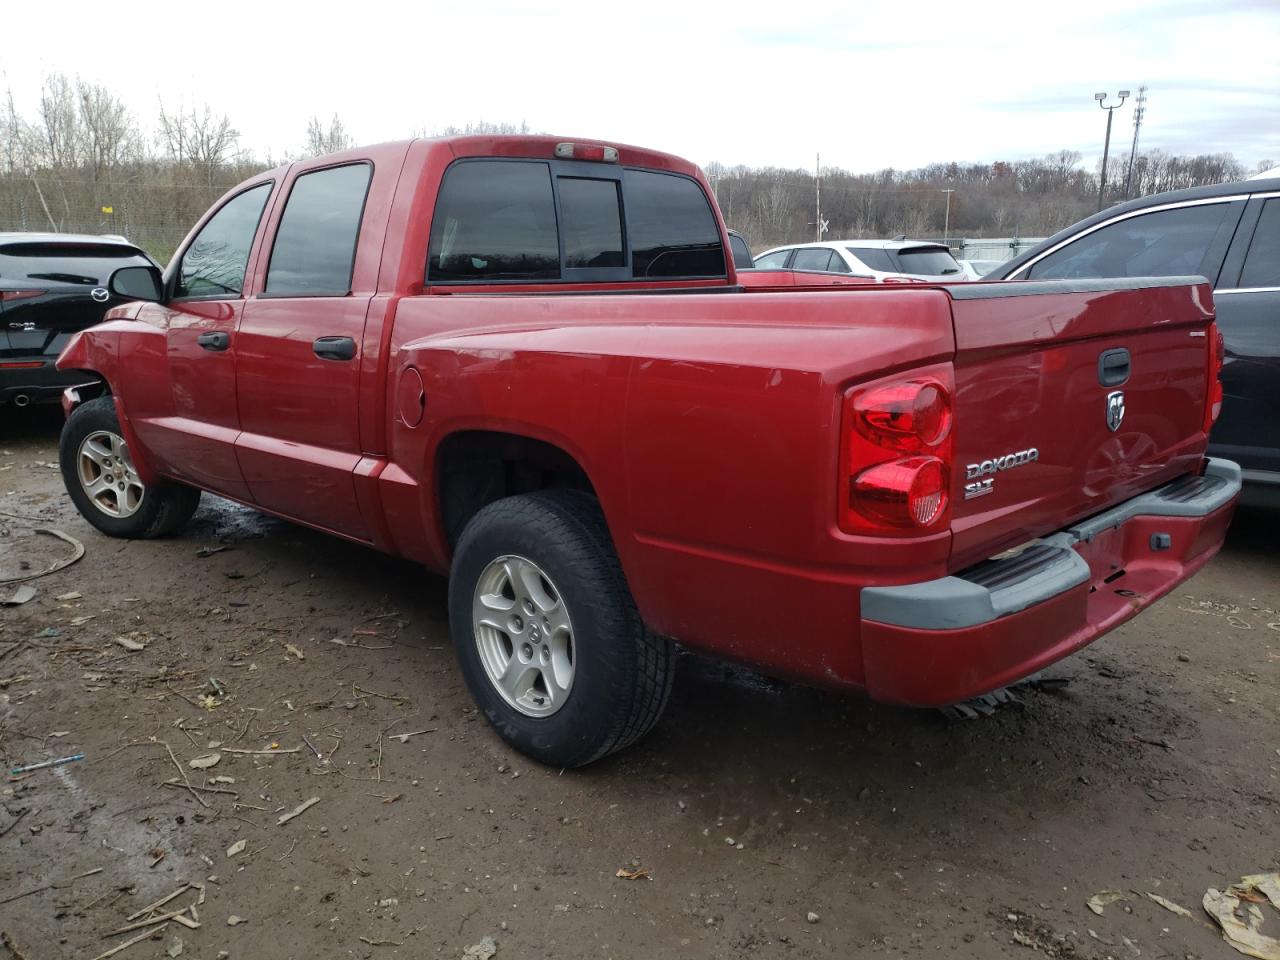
773,261
671,228
1167,243
592,222
812,258
315,244
1262,265
495,220
215,262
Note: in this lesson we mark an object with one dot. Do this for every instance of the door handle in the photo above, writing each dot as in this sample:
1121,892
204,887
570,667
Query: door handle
334,348
1113,367
217,340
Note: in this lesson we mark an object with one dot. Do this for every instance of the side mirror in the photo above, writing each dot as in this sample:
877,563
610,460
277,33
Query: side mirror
137,283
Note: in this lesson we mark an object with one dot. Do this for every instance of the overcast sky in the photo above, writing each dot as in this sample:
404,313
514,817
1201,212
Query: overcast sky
869,84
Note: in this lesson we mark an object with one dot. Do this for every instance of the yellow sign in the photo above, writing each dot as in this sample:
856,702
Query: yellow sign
108,209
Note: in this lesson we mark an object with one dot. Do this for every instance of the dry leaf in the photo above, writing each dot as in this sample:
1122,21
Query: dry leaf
204,761
1169,905
237,847
290,648
640,873
1100,900
133,646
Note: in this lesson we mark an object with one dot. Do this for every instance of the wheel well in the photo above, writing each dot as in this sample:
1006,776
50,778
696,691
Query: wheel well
476,468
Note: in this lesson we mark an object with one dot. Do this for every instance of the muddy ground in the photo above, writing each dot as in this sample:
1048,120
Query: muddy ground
753,804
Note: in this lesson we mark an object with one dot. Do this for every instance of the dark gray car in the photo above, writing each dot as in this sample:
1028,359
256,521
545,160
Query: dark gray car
1230,234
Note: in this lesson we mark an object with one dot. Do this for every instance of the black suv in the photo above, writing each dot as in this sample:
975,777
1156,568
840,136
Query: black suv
1229,233
51,285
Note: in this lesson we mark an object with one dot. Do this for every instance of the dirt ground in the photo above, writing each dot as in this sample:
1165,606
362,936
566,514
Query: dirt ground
753,805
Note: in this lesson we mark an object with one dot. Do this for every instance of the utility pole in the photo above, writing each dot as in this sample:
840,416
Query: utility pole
817,196
1139,110
946,219
1106,147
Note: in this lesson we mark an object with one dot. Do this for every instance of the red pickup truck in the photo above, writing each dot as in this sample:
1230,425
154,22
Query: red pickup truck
529,364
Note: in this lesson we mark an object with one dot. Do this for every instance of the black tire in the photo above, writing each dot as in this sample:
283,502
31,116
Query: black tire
621,672
162,508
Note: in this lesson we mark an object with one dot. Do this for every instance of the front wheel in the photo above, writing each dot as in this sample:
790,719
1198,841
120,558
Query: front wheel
99,474
550,642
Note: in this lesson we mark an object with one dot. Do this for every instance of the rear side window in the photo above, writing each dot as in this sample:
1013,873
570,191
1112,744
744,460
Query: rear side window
874,259
812,258
592,222
671,228
495,220
741,252
1262,265
928,261
315,245
214,264
773,261
84,264
1167,243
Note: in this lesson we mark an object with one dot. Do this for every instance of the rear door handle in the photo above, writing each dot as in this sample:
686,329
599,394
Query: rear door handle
334,348
217,340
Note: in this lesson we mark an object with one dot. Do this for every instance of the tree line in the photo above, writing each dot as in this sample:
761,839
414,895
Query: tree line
1026,198
84,162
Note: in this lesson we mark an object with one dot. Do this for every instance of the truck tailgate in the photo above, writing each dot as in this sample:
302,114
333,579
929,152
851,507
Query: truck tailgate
1040,439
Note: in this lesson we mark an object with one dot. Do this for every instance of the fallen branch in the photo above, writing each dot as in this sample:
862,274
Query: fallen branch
57,885
402,737
262,753
13,947
150,922
77,553
175,783
183,773
24,812
129,943
159,903
297,811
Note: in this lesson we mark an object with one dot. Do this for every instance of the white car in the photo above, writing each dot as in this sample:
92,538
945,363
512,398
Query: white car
885,261
977,269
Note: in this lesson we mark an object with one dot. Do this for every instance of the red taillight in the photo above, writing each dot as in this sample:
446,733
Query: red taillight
587,151
1213,397
908,416
896,455
911,492
9,295
20,364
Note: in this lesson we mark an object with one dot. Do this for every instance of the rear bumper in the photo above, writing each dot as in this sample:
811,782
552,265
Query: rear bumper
950,639
21,385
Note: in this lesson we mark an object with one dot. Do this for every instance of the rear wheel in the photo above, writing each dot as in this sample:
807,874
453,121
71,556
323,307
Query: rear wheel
550,642
100,476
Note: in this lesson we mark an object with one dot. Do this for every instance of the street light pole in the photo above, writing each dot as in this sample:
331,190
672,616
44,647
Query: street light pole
1106,146
946,219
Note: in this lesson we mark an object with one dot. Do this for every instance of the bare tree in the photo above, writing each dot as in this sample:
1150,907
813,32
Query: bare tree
198,138
109,135
322,140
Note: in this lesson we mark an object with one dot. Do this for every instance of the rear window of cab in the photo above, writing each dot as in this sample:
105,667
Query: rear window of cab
535,221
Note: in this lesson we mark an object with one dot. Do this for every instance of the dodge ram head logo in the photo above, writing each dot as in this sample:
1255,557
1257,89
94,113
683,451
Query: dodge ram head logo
1115,410
982,475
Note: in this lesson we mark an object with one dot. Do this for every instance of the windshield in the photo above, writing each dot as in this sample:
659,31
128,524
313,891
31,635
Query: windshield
928,261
